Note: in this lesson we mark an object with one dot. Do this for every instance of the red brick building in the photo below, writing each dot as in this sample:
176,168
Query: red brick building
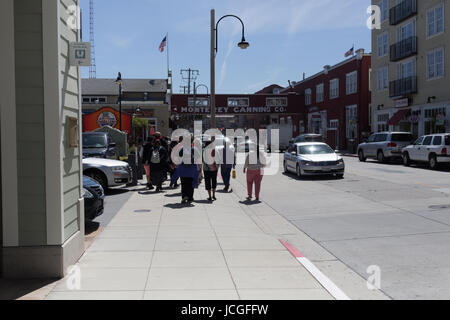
335,102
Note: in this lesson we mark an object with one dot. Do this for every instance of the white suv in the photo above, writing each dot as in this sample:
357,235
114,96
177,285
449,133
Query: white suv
434,149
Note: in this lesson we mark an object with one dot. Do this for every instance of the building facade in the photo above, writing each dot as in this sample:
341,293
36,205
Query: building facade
335,102
143,98
410,73
42,210
233,111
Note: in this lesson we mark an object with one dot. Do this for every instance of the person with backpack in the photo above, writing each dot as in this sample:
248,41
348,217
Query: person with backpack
158,165
188,173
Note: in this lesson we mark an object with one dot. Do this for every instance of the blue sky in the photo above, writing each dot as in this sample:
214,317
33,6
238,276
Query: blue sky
287,38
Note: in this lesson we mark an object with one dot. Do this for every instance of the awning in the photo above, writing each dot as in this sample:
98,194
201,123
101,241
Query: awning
398,117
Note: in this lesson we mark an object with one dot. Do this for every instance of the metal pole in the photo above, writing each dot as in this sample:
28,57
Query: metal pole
213,70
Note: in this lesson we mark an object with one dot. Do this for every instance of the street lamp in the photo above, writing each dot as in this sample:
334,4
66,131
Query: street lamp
120,82
214,48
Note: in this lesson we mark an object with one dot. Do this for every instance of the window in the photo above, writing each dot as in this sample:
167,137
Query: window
381,137
371,138
352,121
427,141
435,20
406,69
238,102
94,100
352,83
276,102
419,141
334,124
437,141
435,64
406,31
199,102
382,122
308,95
320,93
447,140
384,8
334,88
383,45
383,79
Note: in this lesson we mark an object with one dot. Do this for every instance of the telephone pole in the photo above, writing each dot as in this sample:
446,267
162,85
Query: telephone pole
190,76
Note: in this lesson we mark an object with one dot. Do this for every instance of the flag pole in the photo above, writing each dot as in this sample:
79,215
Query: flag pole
168,57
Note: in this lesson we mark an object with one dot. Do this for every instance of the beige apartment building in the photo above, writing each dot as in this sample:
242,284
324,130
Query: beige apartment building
411,67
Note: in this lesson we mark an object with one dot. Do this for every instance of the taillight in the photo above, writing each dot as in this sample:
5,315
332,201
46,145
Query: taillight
444,151
392,145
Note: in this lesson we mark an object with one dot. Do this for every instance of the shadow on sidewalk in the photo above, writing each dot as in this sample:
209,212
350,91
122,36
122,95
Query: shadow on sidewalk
32,289
178,206
250,203
173,195
91,227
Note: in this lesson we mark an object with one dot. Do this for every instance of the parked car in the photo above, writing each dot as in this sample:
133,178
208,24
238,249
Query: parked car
384,146
434,149
313,158
109,173
99,145
94,198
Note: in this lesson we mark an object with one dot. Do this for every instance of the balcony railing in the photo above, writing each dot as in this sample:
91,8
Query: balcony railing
402,11
402,87
404,49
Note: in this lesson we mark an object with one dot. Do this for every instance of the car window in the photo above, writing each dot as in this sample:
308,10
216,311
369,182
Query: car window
94,141
437,141
381,137
371,138
447,140
427,141
402,137
315,149
419,141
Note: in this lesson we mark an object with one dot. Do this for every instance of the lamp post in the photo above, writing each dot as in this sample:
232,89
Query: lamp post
214,48
120,82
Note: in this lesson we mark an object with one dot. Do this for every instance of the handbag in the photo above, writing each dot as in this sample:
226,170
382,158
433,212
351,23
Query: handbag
234,174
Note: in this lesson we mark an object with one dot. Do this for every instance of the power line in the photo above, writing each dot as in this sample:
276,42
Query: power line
190,76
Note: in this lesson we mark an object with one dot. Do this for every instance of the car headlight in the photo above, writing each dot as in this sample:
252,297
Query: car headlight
340,161
307,163
116,169
87,194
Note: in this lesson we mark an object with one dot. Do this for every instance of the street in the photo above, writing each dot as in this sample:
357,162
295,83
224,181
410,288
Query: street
384,215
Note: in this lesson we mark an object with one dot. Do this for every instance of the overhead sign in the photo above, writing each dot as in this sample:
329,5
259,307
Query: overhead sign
80,54
402,103
229,110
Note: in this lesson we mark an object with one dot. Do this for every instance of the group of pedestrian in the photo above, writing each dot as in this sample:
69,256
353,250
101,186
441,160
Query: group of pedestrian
158,163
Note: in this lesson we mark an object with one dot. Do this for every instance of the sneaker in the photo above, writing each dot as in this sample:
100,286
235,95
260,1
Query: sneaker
185,200
249,198
210,199
214,198
226,189
150,187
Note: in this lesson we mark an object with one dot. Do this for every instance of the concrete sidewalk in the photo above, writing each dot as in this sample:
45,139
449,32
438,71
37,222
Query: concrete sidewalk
156,248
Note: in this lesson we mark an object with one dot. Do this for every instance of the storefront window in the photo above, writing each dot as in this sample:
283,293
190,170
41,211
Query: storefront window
382,122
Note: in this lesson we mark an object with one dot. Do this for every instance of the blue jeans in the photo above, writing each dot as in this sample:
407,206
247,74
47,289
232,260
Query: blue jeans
225,171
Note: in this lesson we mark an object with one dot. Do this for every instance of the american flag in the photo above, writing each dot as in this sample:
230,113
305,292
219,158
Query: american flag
163,44
350,52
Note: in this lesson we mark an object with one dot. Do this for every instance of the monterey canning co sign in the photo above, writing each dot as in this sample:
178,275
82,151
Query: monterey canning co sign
229,110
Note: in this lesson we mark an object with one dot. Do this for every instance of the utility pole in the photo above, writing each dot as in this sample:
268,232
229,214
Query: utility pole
213,70
189,75
93,67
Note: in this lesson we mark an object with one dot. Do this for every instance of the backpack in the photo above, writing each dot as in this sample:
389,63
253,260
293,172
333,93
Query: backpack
155,156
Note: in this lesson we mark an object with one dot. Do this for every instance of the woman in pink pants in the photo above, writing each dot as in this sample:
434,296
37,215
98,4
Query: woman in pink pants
254,164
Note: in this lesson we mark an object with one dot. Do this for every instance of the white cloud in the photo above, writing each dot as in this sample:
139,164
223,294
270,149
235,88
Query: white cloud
121,41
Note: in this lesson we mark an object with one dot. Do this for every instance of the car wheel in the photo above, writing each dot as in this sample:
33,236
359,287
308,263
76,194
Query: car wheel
299,171
406,159
380,157
361,156
99,177
433,162
340,176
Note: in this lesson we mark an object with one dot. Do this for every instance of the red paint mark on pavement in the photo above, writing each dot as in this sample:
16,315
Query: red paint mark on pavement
292,249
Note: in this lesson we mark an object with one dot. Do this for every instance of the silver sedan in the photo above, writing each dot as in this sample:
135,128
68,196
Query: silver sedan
109,173
313,158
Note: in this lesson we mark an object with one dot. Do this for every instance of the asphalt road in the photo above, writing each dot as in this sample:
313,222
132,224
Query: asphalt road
384,215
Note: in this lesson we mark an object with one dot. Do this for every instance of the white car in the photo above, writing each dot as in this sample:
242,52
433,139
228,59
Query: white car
313,158
109,173
434,149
